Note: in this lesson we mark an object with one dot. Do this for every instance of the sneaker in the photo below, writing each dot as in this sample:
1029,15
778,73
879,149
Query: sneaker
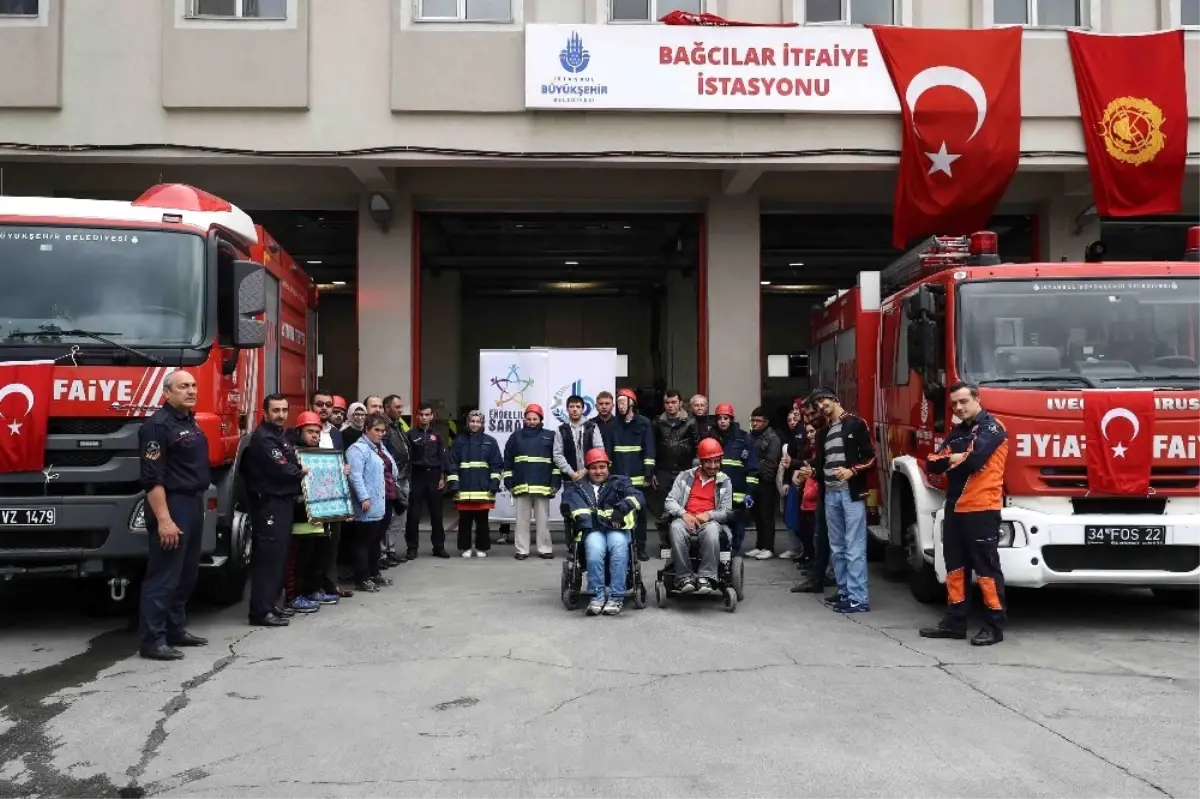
687,586
366,586
612,607
853,607
764,554
468,553
753,553
789,555
704,586
322,598
595,607
303,604
479,553
834,599
381,581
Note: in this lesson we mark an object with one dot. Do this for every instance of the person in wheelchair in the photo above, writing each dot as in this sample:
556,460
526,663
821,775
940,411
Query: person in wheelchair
700,502
604,510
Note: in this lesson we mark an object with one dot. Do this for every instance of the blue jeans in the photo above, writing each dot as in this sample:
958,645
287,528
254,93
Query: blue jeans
615,545
846,522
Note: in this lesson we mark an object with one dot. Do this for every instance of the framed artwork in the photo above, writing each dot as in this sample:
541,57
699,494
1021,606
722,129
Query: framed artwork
326,486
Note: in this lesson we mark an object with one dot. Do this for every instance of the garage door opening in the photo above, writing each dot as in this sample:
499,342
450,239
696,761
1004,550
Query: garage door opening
808,259
516,280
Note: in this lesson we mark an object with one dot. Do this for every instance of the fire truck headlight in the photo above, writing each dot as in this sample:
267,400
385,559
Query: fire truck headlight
1008,532
137,519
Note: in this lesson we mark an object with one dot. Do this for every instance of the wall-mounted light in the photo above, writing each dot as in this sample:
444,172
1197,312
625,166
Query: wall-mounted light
339,282
764,282
380,209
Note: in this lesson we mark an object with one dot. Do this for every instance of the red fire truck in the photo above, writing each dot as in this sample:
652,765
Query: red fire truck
119,295
1037,339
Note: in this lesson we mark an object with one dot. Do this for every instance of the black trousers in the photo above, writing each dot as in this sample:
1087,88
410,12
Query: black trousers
969,544
476,520
424,493
308,576
271,523
171,573
655,500
368,538
766,506
821,551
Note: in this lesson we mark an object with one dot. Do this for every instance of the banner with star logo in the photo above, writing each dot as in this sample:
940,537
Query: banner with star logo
25,392
960,109
1119,428
1133,104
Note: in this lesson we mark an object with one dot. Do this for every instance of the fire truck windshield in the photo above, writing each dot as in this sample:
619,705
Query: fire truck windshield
1083,332
142,288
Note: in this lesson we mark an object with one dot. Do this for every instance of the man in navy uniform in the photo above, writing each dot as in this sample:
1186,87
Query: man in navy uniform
174,475
272,474
428,458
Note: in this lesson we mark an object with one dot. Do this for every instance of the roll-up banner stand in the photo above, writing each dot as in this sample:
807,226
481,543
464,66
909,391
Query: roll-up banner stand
509,380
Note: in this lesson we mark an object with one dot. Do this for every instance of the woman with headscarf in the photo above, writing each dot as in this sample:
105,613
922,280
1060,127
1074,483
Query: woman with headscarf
356,418
473,471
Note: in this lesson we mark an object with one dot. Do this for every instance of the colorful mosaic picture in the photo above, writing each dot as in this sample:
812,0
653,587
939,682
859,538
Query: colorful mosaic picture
326,487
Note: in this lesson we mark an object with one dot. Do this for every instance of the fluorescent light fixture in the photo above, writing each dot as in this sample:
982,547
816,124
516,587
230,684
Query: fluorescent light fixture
801,288
339,282
764,282
314,263
571,263
797,263
570,286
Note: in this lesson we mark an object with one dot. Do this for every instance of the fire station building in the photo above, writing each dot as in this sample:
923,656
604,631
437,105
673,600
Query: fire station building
467,174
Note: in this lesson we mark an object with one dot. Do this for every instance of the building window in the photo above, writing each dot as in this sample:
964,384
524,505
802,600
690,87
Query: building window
238,9
465,10
19,8
850,12
1041,13
1186,13
650,10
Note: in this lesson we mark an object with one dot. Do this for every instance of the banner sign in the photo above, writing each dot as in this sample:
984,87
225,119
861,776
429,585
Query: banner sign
509,380
683,68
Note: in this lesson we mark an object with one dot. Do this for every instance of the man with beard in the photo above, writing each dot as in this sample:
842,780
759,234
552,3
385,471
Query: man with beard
396,442
675,440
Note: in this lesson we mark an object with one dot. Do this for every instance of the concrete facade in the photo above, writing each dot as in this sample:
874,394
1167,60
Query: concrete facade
278,113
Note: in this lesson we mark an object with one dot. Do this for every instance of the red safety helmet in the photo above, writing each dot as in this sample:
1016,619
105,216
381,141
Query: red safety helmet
339,402
308,418
725,409
535,408
595,456
627,393
709,448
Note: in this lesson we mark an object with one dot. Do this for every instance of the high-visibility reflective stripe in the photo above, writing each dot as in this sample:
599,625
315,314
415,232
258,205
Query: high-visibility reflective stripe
638,481
739,497
752,479
507,473
495,475
581,512
628,448
531,459
473,465
475,496
452,478
525,488
649,462
731,462
637,505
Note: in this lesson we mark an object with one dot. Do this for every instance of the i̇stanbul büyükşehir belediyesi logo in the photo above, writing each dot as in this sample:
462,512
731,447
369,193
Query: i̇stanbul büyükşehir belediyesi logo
573,88
559,406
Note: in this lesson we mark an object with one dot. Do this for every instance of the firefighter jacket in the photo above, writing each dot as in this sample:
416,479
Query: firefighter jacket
860,455
977,482
529,463
612,506
675,440
473,468
633,449
740,461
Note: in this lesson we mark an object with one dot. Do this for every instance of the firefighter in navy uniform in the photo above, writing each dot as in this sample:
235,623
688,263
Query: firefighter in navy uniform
175,475
272,474
428,453
972,457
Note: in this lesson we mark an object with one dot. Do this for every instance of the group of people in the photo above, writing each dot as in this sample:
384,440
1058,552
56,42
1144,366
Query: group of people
692,472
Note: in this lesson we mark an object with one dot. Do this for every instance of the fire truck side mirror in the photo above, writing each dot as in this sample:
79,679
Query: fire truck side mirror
242,296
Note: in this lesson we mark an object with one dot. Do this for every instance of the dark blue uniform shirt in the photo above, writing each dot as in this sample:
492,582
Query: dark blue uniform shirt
269,463
427,448
174,452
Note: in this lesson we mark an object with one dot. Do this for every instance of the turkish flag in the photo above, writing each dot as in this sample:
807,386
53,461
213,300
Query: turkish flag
25,388
960,109
1120,435
1133,104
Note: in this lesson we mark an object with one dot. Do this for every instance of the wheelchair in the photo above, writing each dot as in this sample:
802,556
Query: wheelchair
574,570
730,573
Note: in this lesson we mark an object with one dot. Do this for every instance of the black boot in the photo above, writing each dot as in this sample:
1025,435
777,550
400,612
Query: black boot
941,631
987,637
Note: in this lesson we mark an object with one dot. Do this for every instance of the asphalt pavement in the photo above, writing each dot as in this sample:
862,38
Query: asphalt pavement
469,678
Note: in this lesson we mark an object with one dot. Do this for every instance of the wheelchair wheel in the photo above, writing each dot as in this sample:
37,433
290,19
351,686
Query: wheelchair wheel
731,600
660,594
570,594
639,595
570,599
737,574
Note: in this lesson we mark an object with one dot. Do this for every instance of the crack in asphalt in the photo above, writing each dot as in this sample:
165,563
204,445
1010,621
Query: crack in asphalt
597,778
947,669
158,735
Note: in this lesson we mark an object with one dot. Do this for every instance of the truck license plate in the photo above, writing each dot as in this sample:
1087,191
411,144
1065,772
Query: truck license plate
28,517
1125,536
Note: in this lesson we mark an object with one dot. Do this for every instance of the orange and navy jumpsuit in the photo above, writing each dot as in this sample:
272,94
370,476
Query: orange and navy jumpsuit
971,529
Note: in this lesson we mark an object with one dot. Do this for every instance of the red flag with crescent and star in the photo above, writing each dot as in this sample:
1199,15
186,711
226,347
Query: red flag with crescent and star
1119,426
960,109
1133,104
25,389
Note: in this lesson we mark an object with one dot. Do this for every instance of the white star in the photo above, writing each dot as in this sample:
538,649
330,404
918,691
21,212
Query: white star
1119,451
15,427
942,160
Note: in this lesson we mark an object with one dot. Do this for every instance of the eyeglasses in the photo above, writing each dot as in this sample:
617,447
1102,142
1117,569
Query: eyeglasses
322,404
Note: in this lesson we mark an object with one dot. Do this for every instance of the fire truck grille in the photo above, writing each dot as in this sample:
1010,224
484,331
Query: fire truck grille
61,488
52,539
87,427
83,457
1173,479
1124,505
1080,557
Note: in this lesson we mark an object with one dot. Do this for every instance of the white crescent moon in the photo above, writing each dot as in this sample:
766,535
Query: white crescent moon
960,79
18,388
1116,413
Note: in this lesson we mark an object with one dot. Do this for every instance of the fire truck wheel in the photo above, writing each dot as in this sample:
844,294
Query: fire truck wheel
922,577
1185,598
227,585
